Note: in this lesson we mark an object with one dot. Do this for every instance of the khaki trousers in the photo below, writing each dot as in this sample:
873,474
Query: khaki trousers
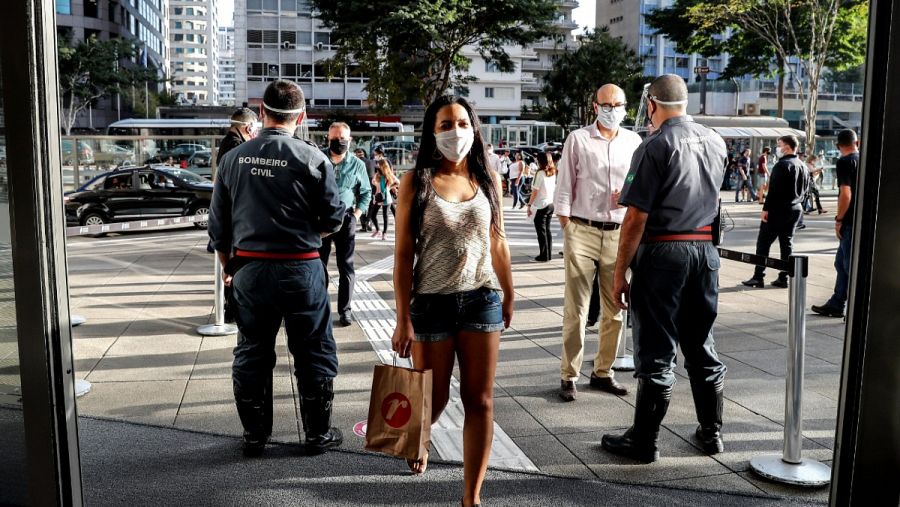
587,249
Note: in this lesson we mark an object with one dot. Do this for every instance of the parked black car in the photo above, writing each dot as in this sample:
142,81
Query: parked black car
137,193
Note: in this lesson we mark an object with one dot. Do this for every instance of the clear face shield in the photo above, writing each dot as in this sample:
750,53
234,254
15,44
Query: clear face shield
643,122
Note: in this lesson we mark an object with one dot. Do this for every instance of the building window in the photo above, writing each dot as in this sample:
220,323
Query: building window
617,19
491,67
488,93
189,11
91,10
179,11
179,37
64,6
178,24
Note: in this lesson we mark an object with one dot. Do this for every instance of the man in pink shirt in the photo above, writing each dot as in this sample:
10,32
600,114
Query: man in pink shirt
592,171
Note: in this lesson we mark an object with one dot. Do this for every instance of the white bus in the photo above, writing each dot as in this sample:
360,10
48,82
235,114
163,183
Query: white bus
217,127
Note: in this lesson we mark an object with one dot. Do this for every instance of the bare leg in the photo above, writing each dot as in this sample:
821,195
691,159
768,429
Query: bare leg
437,357
477,363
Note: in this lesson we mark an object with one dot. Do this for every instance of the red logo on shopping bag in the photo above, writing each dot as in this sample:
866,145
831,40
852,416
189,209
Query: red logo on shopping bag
396,410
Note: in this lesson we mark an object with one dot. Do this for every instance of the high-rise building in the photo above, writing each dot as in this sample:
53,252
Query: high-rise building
626,20
194,51
281,39
226,66
543,54
141,20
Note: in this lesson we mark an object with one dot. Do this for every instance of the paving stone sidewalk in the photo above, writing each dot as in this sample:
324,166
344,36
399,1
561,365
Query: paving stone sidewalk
144,295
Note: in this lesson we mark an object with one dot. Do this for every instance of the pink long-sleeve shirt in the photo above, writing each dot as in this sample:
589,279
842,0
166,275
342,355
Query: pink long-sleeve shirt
591,169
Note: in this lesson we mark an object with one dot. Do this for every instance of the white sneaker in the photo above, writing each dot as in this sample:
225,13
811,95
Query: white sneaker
385,236
375,234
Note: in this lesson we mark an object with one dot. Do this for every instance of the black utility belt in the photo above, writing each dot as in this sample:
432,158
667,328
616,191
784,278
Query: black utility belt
603,226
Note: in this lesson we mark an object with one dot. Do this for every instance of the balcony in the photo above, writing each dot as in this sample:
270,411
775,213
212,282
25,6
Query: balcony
568,4
534,87
565,24
536,66
552,44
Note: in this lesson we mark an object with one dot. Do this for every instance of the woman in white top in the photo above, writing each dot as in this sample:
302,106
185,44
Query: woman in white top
450,262
515,179
541,204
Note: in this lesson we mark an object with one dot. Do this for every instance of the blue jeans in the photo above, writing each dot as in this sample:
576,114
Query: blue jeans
514,190
674,303
842,267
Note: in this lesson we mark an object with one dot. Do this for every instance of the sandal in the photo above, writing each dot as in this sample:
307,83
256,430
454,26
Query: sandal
418,466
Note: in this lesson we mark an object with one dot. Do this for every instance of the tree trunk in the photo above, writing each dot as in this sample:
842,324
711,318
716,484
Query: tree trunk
781,84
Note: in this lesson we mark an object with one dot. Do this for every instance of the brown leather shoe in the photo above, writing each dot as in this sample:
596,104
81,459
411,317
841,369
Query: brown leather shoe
567,390
609,385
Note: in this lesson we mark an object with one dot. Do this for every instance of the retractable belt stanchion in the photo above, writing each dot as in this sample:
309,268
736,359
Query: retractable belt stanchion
624,361
791,467
219,328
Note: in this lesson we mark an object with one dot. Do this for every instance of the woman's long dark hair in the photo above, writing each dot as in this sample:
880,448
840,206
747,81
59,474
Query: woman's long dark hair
546,163
429,160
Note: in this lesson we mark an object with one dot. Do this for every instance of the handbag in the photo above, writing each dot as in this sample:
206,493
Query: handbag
399,422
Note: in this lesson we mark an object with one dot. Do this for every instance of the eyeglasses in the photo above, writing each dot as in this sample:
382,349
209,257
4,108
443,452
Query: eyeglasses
608,108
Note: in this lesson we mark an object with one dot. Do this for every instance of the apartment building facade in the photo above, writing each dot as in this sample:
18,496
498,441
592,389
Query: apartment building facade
194,51
226,66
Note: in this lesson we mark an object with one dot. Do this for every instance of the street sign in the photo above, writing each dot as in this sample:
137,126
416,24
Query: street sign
701,70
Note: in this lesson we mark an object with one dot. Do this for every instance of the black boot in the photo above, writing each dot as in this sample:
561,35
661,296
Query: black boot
640,441
252,414
709,404
315,411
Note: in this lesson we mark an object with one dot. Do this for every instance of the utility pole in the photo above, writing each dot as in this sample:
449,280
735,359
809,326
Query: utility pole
702,71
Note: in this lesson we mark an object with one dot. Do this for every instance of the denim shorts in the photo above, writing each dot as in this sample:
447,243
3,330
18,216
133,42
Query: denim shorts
439,317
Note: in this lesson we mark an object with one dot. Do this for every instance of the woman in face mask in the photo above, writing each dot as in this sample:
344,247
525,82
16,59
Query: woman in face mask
451,261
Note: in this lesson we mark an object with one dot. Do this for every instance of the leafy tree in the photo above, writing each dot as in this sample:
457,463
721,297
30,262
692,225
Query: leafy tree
570,86
410,50
89,70
837,29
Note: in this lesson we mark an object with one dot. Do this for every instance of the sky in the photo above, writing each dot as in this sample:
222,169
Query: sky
583,15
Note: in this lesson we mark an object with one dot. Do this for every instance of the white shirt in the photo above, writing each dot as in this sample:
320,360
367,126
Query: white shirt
591,169
545,186
515,169
493,162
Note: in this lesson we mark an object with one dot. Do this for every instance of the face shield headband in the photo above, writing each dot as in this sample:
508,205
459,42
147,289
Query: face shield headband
283,111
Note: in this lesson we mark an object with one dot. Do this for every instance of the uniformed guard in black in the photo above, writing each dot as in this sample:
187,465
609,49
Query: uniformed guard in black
672,193
783,209
274,199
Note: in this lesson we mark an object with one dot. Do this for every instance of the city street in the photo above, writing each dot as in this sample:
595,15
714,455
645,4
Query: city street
145,294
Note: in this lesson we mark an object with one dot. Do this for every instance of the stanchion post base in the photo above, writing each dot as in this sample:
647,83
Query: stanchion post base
77,320
215,330
82,387
808,472
623,363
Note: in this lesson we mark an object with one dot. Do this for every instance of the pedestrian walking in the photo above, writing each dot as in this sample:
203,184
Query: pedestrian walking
385,184
744,190
516,170
762,175
782,210
370,173
847,168
274,198
355,191
451,257
541,205
815,174
592,169
672,194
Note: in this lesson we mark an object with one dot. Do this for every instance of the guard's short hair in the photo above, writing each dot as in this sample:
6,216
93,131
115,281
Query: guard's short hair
339,125
790,140
846,137
285,95
243,116
669,88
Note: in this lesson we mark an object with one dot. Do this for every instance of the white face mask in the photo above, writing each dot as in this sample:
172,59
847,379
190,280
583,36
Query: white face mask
612,119
779,153
455,144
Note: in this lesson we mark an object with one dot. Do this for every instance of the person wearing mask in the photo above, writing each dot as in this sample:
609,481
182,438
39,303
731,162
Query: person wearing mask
504,171
541,205
782,209
815,173
274,199
243,129
355,190
516,168
370,172
592,169
385,184
762,175
451,261
672,194
847,169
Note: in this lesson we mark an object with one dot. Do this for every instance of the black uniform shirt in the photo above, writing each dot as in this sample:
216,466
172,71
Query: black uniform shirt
231,141
847,167
274,193
675,176
788,185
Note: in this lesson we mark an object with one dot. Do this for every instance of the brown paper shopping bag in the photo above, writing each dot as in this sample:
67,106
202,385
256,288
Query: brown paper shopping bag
400,412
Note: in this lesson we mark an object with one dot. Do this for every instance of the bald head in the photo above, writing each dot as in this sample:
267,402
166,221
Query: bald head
610,94
669,88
